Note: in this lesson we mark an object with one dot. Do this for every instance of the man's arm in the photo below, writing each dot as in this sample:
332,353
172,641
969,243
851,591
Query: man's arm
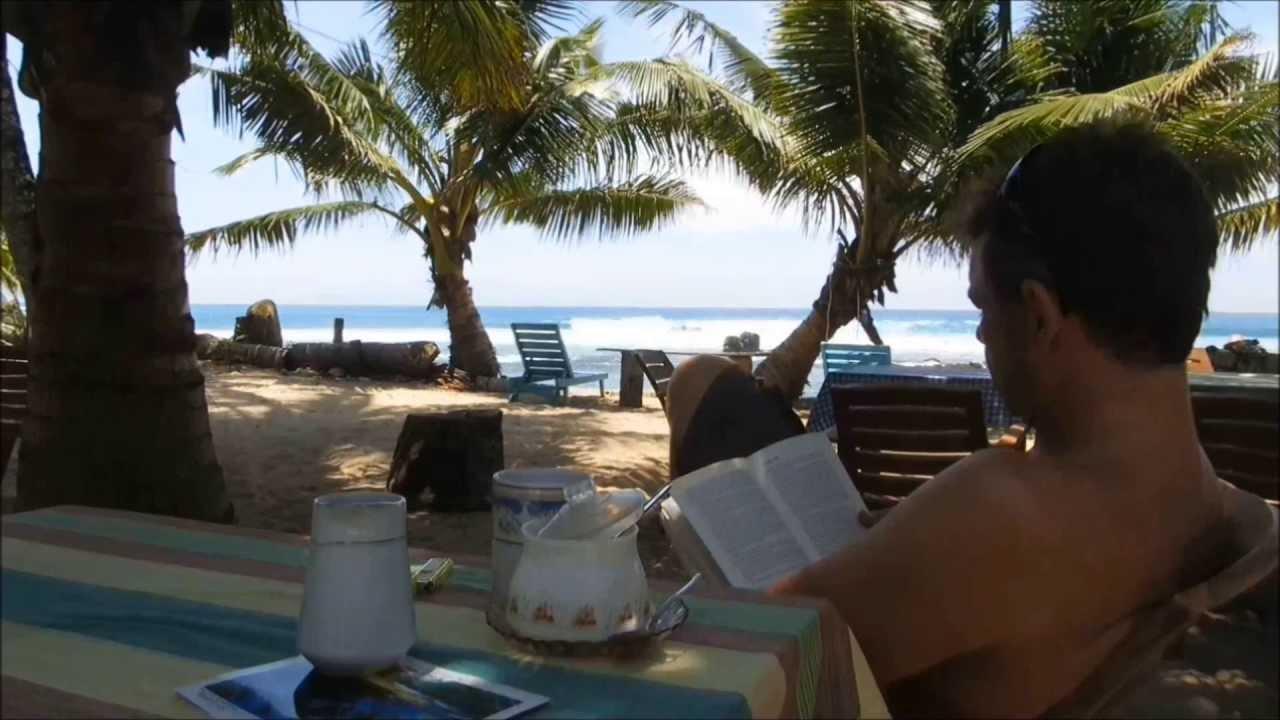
954,568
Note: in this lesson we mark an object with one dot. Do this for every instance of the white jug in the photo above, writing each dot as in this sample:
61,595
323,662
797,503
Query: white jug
578,590
357,604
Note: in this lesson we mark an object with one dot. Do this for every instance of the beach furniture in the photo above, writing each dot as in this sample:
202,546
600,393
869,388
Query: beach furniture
893,438
547,372
842,357
13,400
107,613
822,417
658,369
1248,559
1241,436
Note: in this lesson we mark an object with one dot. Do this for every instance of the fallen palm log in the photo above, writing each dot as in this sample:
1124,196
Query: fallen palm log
413,359
209,347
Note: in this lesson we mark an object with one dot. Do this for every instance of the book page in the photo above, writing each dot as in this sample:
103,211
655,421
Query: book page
740,526
804,475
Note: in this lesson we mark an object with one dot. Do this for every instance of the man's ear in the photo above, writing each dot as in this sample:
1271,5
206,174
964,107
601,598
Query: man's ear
1044,313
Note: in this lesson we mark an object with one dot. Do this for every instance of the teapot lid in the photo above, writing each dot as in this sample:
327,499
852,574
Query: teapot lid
544,479
602,513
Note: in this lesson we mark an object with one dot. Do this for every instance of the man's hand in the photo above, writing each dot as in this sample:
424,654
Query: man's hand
869,518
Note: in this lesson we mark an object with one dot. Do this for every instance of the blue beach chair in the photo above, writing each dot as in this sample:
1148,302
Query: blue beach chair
837,358
547,372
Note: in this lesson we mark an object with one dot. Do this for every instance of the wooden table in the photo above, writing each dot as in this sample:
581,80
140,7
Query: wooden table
631,372
106,613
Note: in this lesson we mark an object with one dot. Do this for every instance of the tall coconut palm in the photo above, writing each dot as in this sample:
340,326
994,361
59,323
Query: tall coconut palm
116,412
878,101
871,98
480,118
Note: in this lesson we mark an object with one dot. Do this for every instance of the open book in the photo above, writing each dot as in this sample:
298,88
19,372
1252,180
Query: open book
750,522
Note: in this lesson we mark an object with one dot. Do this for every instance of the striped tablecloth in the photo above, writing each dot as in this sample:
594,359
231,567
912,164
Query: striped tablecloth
106,613
823,416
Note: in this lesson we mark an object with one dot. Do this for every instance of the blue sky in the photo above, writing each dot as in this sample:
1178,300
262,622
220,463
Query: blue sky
739,253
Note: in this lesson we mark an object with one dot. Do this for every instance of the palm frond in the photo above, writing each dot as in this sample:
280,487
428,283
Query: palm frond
1241,227
860,64
1017,131
745,72
1219,71
471,52
681,88
637,205
277,230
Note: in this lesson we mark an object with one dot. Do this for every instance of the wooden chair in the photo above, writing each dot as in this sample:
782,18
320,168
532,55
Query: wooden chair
836,358
658,369
13,400
893,438
547,371
1249,557
1241,436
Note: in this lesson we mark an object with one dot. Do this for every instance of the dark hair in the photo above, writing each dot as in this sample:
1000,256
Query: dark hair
1111,220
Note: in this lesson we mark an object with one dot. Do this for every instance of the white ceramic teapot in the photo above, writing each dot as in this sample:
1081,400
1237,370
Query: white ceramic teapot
578,590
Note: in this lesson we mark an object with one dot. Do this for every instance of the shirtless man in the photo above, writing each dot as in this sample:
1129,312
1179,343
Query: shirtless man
1000,584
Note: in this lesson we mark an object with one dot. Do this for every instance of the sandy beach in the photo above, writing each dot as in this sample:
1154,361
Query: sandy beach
284,438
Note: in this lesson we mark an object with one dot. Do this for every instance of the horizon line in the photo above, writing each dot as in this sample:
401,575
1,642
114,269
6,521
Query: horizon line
640,307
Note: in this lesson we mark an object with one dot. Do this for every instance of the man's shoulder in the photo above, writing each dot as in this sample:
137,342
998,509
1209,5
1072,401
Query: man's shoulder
998,485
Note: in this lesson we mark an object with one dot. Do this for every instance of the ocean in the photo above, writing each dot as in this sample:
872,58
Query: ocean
915,336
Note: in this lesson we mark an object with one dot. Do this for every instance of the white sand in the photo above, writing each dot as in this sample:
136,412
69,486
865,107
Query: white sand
283,439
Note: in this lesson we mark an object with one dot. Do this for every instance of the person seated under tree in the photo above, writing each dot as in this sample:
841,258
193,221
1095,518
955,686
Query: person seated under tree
1000,584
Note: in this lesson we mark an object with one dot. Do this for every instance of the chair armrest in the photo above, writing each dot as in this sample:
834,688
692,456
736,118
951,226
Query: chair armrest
1015,436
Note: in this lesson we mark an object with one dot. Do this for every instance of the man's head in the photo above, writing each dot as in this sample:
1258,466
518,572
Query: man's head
1096,248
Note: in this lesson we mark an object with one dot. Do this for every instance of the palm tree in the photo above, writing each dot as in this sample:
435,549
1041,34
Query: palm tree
117,414
872,98
1219,110
881,104
480,118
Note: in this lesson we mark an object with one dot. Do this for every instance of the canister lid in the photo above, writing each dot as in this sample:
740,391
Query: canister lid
357,517
571,482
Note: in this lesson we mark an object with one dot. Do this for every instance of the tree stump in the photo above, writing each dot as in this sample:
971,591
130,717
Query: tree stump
453,454
260,325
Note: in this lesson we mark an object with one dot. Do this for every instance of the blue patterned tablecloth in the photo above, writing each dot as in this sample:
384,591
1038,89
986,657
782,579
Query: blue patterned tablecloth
823,417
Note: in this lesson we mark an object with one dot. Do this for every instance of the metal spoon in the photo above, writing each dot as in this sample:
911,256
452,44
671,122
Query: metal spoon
650,504
670,615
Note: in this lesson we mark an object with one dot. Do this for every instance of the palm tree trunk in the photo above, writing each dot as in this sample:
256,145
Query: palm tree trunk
469,346
116,412
17,185
845,297
786,368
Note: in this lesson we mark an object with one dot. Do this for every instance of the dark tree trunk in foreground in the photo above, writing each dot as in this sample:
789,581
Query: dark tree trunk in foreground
117,414
470,348
17,184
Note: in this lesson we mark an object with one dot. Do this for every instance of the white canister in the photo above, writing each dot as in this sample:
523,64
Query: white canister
357,604
519,496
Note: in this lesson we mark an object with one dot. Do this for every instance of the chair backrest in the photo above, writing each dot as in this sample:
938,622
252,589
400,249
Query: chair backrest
1199,362
1241,436
841,357
893,438
658,368
542,351
1249,556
